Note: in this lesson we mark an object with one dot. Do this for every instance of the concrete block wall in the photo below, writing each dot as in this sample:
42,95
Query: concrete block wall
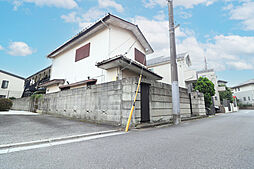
160,101
100,103
110,103
198,104
23,104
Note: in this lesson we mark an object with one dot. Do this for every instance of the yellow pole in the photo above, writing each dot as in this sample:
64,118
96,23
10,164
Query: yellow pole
132,109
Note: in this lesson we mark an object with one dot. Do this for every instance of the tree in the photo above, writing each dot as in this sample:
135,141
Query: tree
227,94
206,87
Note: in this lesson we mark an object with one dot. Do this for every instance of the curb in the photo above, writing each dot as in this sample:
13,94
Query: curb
54,140
149,125
194,118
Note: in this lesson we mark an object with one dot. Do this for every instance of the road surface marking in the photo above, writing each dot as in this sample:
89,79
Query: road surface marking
51,142
11,112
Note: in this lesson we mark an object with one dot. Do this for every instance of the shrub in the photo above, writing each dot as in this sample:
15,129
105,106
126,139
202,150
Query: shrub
242,106
36,97
206,87
5,104
227,95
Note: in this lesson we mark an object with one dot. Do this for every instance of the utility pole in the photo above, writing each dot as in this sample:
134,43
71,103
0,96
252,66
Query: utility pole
174,73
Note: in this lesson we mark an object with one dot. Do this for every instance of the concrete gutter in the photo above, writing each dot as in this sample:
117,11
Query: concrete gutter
150,125
7,147
194,118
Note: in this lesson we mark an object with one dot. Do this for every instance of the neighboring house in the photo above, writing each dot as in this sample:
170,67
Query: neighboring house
11,85
162,66
33,82
210,74
244,92
109,50
186,75
222,85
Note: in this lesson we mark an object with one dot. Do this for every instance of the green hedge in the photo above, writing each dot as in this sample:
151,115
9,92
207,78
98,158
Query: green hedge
5,104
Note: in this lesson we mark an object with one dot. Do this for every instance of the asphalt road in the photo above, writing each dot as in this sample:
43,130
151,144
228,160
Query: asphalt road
222,142
15,128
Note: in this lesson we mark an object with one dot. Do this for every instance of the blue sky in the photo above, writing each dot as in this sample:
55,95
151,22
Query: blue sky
221,30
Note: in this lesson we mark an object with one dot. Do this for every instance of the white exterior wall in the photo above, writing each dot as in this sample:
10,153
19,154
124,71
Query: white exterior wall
15,86
111,74
53,89
247,92
184,72
120,42
164,71
103,45
244,88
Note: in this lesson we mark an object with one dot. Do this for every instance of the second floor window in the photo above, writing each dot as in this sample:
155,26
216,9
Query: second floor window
5,84
82,52
140,57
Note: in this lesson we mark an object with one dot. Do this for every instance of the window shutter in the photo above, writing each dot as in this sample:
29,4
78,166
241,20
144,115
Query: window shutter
82,52
140,57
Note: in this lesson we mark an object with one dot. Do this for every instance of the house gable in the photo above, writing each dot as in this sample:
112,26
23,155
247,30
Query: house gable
107,20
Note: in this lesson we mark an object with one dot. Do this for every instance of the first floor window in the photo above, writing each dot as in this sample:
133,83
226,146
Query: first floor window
5,84
2,96
244,98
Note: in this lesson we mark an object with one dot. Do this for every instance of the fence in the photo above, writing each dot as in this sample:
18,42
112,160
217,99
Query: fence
110,103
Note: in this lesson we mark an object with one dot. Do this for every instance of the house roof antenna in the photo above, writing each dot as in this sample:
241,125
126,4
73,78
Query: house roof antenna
206,67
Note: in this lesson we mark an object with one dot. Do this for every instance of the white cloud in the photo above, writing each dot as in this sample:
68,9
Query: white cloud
157,34
185,15
93,14
223,52
68,4
160,16
16,4
244,13
241,65
19,49
70,18
1,47
110,3
184,3
85,19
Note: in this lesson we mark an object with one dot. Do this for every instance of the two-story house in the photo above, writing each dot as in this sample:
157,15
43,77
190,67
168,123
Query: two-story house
222,85
162,66
11,85
33,82
211,75
110,49
244,92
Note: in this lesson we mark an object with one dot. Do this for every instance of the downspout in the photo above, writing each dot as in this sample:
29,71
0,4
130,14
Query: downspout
108,42
108,36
